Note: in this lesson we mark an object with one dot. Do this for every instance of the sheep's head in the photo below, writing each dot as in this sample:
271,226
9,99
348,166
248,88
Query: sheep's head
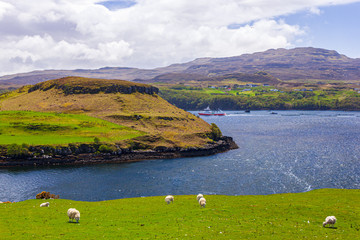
77,217
324,224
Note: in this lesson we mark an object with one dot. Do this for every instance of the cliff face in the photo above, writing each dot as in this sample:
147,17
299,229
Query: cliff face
89,154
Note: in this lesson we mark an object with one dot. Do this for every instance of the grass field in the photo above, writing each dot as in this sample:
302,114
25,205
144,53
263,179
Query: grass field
36,128
280,216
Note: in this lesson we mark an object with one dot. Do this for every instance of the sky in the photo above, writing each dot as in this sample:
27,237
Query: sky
89,34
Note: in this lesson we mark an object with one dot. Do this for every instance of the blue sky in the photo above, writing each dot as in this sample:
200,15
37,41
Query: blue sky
336,28
72,34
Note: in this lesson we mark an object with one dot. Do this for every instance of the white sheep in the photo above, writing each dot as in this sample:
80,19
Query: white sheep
199,196
331,220
73,214
169,199
202,202
45,204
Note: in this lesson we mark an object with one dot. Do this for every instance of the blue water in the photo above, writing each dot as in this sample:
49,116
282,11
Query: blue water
292,151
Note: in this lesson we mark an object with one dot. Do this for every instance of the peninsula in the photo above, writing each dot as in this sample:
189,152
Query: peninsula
76,120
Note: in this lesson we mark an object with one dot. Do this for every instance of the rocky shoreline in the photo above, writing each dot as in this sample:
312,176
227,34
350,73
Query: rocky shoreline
122,156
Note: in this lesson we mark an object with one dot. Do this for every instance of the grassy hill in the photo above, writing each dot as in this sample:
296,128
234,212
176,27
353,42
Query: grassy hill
279,216
133,105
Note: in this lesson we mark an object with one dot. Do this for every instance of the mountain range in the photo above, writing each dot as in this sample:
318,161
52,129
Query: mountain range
280,64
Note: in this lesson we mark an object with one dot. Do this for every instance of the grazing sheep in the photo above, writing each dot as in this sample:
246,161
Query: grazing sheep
73,214
199,196
45,204
169,199
331,220
202,202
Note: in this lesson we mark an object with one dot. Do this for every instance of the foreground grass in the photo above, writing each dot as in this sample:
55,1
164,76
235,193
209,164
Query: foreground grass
281,216
55,128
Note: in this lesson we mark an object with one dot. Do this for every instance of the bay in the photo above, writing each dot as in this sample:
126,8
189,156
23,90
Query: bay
291,151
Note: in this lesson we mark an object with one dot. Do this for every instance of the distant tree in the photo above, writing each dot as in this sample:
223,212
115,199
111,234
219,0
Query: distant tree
215,132
96,140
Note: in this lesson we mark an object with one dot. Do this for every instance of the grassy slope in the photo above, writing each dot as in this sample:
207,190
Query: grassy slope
36,128
280,216
152,108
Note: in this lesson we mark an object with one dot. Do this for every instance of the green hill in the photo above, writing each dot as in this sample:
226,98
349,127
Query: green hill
134,106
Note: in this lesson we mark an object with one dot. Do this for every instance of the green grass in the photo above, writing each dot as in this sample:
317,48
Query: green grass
36,128
280,216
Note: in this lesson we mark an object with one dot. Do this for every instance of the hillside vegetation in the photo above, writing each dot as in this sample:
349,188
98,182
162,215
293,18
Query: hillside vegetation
279,216
231,94
133,105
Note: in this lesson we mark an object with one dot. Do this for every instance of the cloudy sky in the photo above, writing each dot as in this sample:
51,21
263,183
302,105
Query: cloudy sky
71,34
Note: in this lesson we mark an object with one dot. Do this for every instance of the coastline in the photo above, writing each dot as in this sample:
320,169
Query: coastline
125,156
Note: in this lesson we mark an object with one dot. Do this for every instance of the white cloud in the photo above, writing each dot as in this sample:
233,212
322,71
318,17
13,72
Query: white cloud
70,34
4,8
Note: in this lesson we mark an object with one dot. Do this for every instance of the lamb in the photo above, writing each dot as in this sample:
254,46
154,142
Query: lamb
169,199
331,220
202,202
199,196
73,214
45,204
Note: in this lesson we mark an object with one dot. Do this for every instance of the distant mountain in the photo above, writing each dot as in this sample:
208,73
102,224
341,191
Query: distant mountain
284,64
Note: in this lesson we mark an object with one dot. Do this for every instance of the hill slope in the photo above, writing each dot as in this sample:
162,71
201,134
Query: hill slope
285,64
129,104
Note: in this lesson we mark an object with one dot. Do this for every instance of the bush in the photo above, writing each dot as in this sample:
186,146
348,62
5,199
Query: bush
46,195
15,150
215,132
96,140
106,149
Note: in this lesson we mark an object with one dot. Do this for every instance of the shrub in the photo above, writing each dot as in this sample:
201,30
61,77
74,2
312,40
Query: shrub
46,195
96,140
215,132
106,149
15,150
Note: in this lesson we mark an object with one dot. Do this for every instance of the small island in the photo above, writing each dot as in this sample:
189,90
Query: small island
74,120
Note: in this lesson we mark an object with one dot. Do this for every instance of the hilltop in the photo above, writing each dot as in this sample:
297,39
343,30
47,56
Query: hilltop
283,64
157,123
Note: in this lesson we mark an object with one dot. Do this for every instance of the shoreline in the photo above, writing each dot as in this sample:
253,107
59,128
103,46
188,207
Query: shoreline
222,145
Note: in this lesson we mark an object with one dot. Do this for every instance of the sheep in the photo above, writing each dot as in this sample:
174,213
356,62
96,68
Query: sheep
45,204
202,202
199,196
73,214
331,220
169,199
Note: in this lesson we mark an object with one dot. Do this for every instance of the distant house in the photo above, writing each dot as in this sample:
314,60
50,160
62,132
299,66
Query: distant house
252,85
266,85
213,87
274,90
246,89
356,89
